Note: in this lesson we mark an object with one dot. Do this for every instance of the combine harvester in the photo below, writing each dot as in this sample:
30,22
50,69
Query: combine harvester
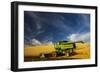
64,48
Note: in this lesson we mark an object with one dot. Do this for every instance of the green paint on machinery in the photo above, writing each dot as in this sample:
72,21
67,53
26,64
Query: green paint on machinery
64,47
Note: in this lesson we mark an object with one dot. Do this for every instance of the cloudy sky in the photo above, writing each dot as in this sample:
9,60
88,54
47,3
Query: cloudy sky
49,27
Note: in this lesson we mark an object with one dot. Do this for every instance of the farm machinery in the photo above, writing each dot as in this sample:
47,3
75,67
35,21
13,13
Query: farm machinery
64,48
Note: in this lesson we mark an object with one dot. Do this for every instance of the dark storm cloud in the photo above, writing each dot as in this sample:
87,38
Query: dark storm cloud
46,26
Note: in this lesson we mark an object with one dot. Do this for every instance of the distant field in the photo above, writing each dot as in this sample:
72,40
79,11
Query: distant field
82,51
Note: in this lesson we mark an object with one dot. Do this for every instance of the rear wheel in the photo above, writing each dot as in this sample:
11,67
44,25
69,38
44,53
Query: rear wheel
67,52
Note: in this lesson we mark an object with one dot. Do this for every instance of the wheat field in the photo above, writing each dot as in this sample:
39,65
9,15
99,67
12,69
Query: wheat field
82,51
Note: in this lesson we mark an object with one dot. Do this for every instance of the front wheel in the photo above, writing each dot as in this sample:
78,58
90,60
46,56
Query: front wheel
67,53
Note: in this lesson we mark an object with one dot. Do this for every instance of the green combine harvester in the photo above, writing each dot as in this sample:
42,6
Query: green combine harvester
64,48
